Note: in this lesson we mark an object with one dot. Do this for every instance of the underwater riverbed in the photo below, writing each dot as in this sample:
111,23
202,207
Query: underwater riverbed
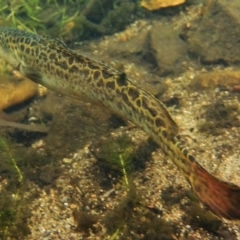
74,170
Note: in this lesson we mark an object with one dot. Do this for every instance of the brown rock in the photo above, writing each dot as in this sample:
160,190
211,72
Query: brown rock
168,50
14,91
157,4
212,80
214,37
133,45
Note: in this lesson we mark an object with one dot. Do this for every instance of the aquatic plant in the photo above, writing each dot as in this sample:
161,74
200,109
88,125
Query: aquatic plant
16,12
29,14
12,211
116,156
9,160
17,171
69,19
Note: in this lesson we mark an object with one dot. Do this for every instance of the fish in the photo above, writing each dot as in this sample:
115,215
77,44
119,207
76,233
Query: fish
51,63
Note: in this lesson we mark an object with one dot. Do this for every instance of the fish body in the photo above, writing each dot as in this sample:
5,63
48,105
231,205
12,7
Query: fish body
51,63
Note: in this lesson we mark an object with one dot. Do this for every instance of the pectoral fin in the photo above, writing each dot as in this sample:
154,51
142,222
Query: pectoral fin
31,74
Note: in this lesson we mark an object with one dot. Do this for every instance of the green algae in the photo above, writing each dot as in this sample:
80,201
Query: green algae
117,155
13,208
131,217
70,20
18,170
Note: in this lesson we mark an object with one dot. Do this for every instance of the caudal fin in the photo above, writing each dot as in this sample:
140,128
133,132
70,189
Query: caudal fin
221,198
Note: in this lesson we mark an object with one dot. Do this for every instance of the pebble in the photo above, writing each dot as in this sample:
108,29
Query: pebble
67,160
73,206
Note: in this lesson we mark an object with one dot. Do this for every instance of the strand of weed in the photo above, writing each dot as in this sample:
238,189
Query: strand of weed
124,171
4,144
113,237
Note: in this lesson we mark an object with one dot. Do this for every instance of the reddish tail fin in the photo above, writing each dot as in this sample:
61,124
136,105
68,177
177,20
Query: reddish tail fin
222,198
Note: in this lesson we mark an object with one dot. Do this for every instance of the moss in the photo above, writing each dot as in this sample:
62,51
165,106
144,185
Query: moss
132,220
9,162
84,221
18,167
70,20
199,217
195,214
116,18
202,218
85,29
13,206
13,214
116,154
173,196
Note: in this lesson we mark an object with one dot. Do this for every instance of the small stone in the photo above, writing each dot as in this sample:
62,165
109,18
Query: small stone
64,199
188,226
67,160
73,206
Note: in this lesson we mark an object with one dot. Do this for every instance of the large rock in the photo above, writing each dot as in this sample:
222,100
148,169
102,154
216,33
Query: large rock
227,79
167,49
215,37
156,47
16,90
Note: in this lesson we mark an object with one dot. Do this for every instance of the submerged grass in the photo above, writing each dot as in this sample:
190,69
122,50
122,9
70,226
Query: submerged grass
131,217
116,157
70,20
12,211
18,168
5,149
29,15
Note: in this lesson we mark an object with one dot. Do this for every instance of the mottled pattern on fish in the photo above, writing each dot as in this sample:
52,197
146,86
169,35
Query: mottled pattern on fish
51,63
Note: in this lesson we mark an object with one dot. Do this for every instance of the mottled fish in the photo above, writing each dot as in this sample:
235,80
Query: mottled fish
51,63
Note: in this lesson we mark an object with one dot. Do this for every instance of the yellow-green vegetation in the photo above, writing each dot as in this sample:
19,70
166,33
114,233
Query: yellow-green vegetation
71,20
10,159
200,217
124,172
131,219
116,155
196,215
12,214
18,168
128,220
120,157
5,68
31,15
